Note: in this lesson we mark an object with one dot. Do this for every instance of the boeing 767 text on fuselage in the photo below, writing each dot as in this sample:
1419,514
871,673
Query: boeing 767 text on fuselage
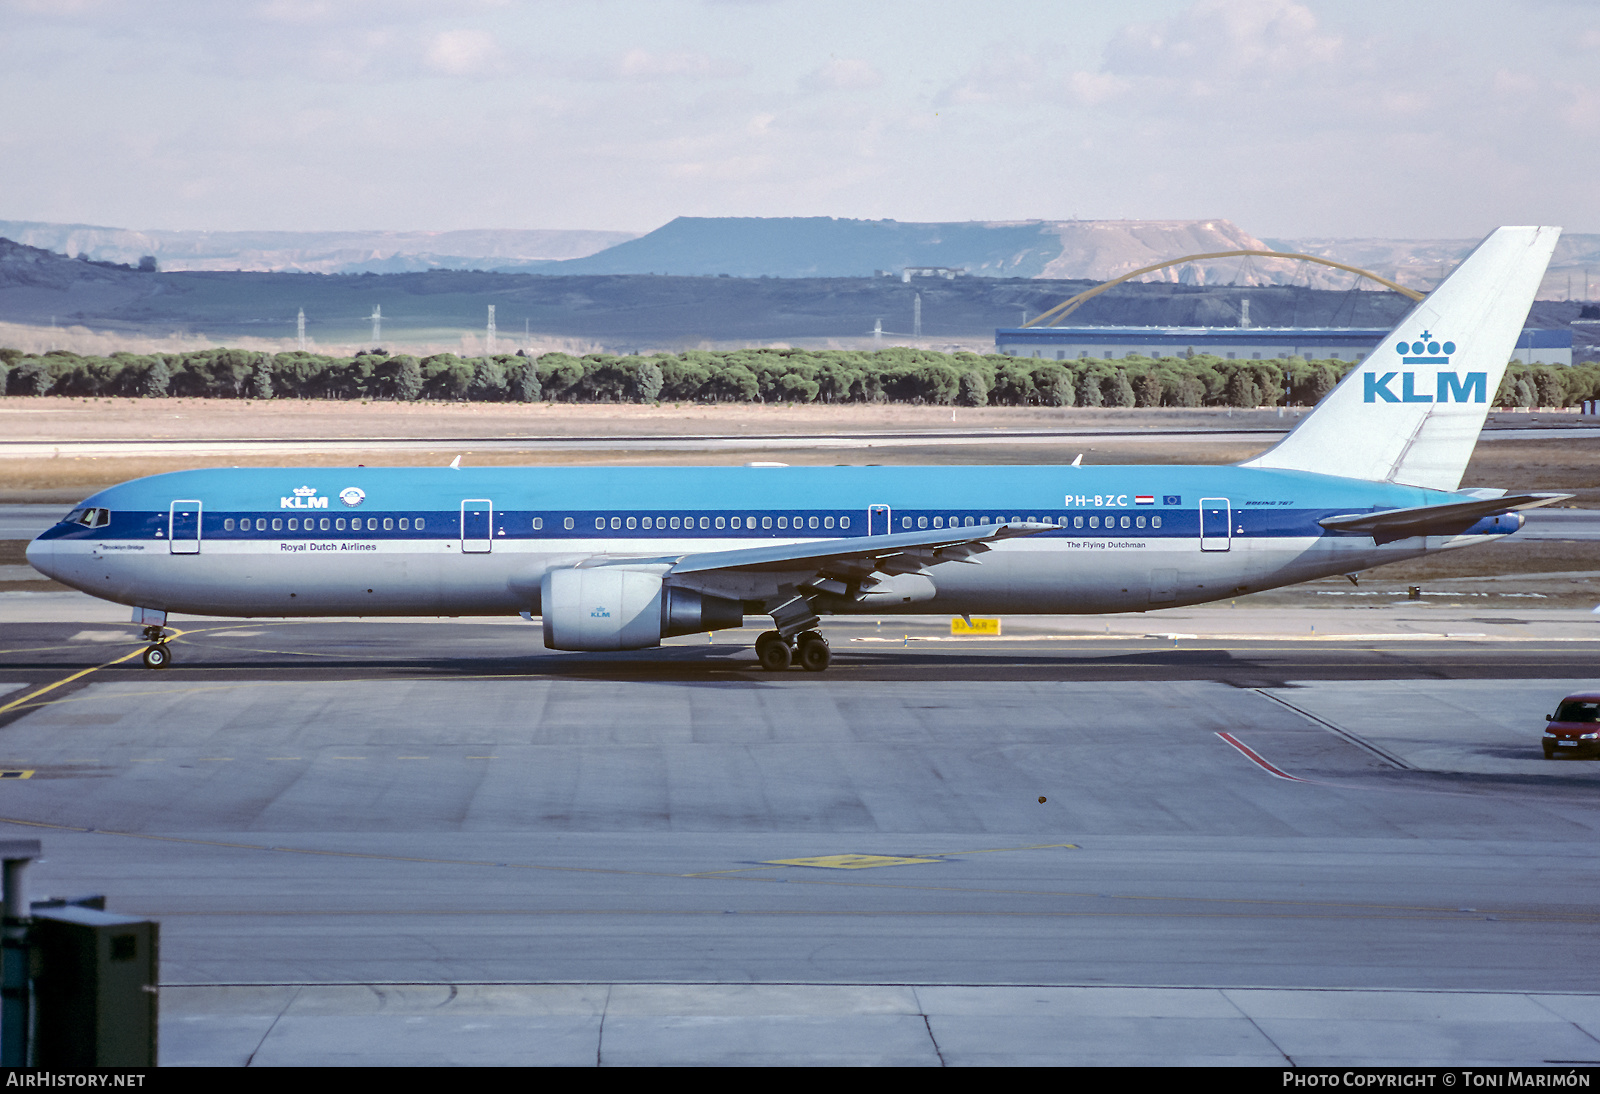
617,559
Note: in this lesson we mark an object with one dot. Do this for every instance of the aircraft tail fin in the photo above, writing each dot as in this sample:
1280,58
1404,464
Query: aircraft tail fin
1411,411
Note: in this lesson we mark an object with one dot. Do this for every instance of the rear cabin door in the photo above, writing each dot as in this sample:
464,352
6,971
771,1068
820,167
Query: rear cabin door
183,528
1216,524
477,517
878,520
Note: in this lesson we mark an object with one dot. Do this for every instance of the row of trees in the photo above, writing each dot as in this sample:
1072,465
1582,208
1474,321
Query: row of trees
738,376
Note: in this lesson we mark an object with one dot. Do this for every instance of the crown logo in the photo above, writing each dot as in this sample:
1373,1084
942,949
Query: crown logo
305,491
1425,351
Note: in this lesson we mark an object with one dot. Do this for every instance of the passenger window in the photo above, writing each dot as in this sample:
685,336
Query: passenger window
705,522
647,522
750,523
905,522
1094,522
227,525
372,525
404,524
277,524
674,522
418,525
567,524
938,522
813,522
294,523
922,522
1125,522
827,522
1138,522
721,523
1155,522
1035,520
339,524
766,522
632,523
261,524
388,523
1077,522
844,522
983,520
616,523
971,522
599,524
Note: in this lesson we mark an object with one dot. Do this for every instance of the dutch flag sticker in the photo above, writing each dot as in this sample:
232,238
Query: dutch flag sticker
1144,499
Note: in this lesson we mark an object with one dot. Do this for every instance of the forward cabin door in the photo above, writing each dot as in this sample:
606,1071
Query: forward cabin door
183,528
878,520
477,520
1216,524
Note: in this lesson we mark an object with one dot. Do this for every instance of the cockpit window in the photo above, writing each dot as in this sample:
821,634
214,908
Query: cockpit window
89,518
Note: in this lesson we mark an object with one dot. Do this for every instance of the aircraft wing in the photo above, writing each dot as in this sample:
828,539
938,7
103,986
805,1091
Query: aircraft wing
835,567
900,552
1426,520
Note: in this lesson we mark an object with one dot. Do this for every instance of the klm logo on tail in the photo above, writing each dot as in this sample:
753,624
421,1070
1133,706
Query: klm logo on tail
1449,387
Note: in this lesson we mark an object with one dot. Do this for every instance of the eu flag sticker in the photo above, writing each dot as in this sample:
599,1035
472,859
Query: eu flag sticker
1172,499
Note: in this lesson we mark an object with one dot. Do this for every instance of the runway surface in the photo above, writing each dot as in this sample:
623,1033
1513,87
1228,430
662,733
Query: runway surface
446,803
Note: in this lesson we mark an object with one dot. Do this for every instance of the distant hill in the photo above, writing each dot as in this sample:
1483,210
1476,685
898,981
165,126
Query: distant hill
831,247
315,252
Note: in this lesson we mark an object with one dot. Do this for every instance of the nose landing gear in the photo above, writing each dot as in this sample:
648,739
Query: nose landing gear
156,655
809,649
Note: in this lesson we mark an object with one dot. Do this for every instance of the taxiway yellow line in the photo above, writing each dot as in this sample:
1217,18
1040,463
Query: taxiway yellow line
32,695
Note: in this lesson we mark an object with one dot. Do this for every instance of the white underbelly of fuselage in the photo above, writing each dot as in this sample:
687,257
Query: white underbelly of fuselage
436,577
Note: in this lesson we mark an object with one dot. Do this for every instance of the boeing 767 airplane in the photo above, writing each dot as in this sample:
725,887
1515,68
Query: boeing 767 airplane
621,558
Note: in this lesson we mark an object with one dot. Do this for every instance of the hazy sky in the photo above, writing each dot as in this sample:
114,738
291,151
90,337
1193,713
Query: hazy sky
1322,117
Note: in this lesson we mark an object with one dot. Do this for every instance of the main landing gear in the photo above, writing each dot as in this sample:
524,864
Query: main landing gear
809,649
156,655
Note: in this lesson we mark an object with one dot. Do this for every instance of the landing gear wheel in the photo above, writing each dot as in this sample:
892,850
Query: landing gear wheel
774,655
157,656
814,655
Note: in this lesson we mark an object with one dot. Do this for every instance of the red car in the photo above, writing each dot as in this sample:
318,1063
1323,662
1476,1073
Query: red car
1574,728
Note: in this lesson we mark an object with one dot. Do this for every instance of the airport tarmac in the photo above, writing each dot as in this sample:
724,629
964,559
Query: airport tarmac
547,445
1207,835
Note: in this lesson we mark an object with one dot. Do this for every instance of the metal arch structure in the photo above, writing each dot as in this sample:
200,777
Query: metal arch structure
1067,307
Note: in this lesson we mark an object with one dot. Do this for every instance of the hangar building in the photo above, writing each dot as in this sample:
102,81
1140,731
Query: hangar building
1548,347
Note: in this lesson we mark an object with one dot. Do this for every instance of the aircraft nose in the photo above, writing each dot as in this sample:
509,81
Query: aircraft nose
41,555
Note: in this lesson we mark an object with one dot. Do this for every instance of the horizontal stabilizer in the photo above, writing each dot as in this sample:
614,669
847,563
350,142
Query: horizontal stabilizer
1433,520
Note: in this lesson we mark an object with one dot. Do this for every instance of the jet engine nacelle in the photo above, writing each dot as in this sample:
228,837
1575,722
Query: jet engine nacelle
612,608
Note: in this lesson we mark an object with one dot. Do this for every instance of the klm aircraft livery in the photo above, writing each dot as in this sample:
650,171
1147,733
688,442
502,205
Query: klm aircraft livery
622,558
1450,387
